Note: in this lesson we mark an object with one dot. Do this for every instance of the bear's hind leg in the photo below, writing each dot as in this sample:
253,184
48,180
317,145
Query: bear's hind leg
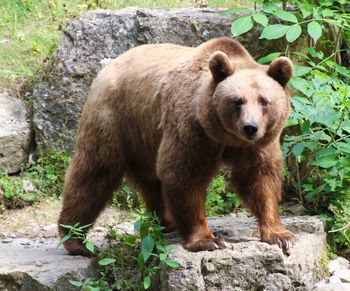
85,196
94,173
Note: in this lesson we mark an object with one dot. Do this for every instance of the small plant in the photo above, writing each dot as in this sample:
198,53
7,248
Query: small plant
131,261
127,198
12,192
77,232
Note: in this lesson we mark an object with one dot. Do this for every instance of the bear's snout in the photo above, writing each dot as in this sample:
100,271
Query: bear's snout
250,129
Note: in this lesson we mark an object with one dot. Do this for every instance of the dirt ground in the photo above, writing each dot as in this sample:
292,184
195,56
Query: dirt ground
40,220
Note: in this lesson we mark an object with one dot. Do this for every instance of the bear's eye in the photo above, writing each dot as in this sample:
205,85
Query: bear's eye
263,101
238,102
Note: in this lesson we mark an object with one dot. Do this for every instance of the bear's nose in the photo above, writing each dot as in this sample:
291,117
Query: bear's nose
250,130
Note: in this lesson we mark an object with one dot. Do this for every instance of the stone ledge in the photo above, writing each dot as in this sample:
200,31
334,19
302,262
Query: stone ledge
247,264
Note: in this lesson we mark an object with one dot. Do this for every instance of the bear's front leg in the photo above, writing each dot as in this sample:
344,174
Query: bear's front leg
185,170
257,177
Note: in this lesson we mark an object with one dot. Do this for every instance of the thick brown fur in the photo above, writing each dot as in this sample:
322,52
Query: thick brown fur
167,117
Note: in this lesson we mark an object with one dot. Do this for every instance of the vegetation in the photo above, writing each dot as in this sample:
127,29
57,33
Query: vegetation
131,262
317,140
220,200
44,178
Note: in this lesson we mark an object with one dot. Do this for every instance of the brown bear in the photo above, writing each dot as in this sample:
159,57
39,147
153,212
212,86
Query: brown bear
167,116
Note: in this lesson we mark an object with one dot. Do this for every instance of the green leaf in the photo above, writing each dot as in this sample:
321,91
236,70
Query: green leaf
90,246
106,261
305,126
137,225
340,69
315,13
314,29
129,240
343,147
298,149
76,283
306,9
270,8
327,13
235,10
169,248
160,248
274,31
147,282
141,260
172,264
162,257
314,53
260,18
85,226
269,58
325,158
291,122
144,228
68,226
241,25
325,162
301,70
302,85
285,15
147,245
311,145
293,33
63,239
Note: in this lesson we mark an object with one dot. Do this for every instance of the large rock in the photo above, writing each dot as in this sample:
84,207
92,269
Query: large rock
15,134
247,264
95,38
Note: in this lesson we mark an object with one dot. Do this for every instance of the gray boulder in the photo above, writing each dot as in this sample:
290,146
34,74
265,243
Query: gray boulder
97,37
249,264
15,134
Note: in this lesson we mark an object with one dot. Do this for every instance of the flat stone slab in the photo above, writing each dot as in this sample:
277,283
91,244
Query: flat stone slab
247,264
34,265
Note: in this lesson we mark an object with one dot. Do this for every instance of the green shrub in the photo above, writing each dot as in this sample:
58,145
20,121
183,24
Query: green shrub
317,140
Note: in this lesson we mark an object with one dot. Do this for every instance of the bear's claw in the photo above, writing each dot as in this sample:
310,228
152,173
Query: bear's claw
207,244
285,240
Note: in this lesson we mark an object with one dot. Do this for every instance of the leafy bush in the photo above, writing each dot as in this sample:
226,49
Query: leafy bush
317,140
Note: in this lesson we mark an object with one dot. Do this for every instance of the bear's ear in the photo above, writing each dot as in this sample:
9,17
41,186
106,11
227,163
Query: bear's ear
281,69
219,66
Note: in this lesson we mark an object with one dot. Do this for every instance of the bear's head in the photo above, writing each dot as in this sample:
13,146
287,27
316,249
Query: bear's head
248,104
